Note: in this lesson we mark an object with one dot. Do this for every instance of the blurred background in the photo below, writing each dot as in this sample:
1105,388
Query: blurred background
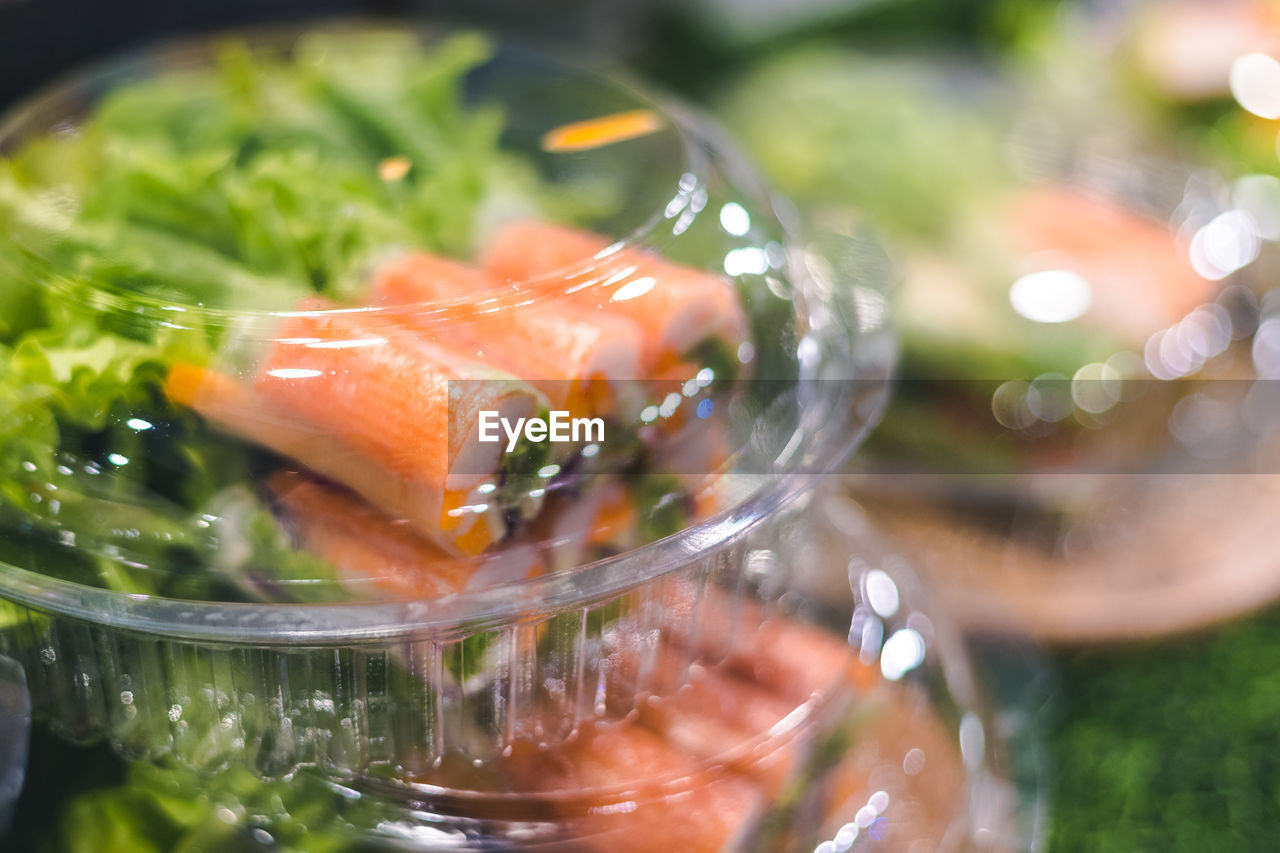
1080,202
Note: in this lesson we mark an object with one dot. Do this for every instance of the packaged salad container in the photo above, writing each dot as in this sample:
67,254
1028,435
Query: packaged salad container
416,431
1081,440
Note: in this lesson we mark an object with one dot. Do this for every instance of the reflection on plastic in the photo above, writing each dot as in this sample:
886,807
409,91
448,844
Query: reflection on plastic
15,729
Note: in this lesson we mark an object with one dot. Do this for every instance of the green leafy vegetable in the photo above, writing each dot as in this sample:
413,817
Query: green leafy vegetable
664,505
162,808
248,184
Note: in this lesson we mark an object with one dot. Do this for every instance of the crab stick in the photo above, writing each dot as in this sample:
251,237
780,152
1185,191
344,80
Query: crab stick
374,553
374,408
562,350
1141,279
786,656
677,308
629,790
731,721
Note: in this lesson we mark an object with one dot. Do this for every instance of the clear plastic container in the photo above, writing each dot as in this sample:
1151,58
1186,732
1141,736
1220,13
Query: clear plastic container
894,749
258,287
1081,444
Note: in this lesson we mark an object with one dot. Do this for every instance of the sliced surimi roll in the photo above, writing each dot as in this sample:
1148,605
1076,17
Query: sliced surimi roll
1140,278
731,721
677,308
558,347
786,656
374,408
642,793
376,556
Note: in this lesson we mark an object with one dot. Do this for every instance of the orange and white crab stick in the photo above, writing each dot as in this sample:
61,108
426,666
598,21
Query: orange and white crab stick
676,307
376,556
636,792
373,407
571,355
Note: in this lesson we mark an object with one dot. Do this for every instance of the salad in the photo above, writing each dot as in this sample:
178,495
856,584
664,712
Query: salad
1033,258
265,323
751,755
332,322
1074,304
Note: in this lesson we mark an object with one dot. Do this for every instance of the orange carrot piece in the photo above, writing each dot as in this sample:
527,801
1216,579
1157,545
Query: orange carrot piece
598,132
